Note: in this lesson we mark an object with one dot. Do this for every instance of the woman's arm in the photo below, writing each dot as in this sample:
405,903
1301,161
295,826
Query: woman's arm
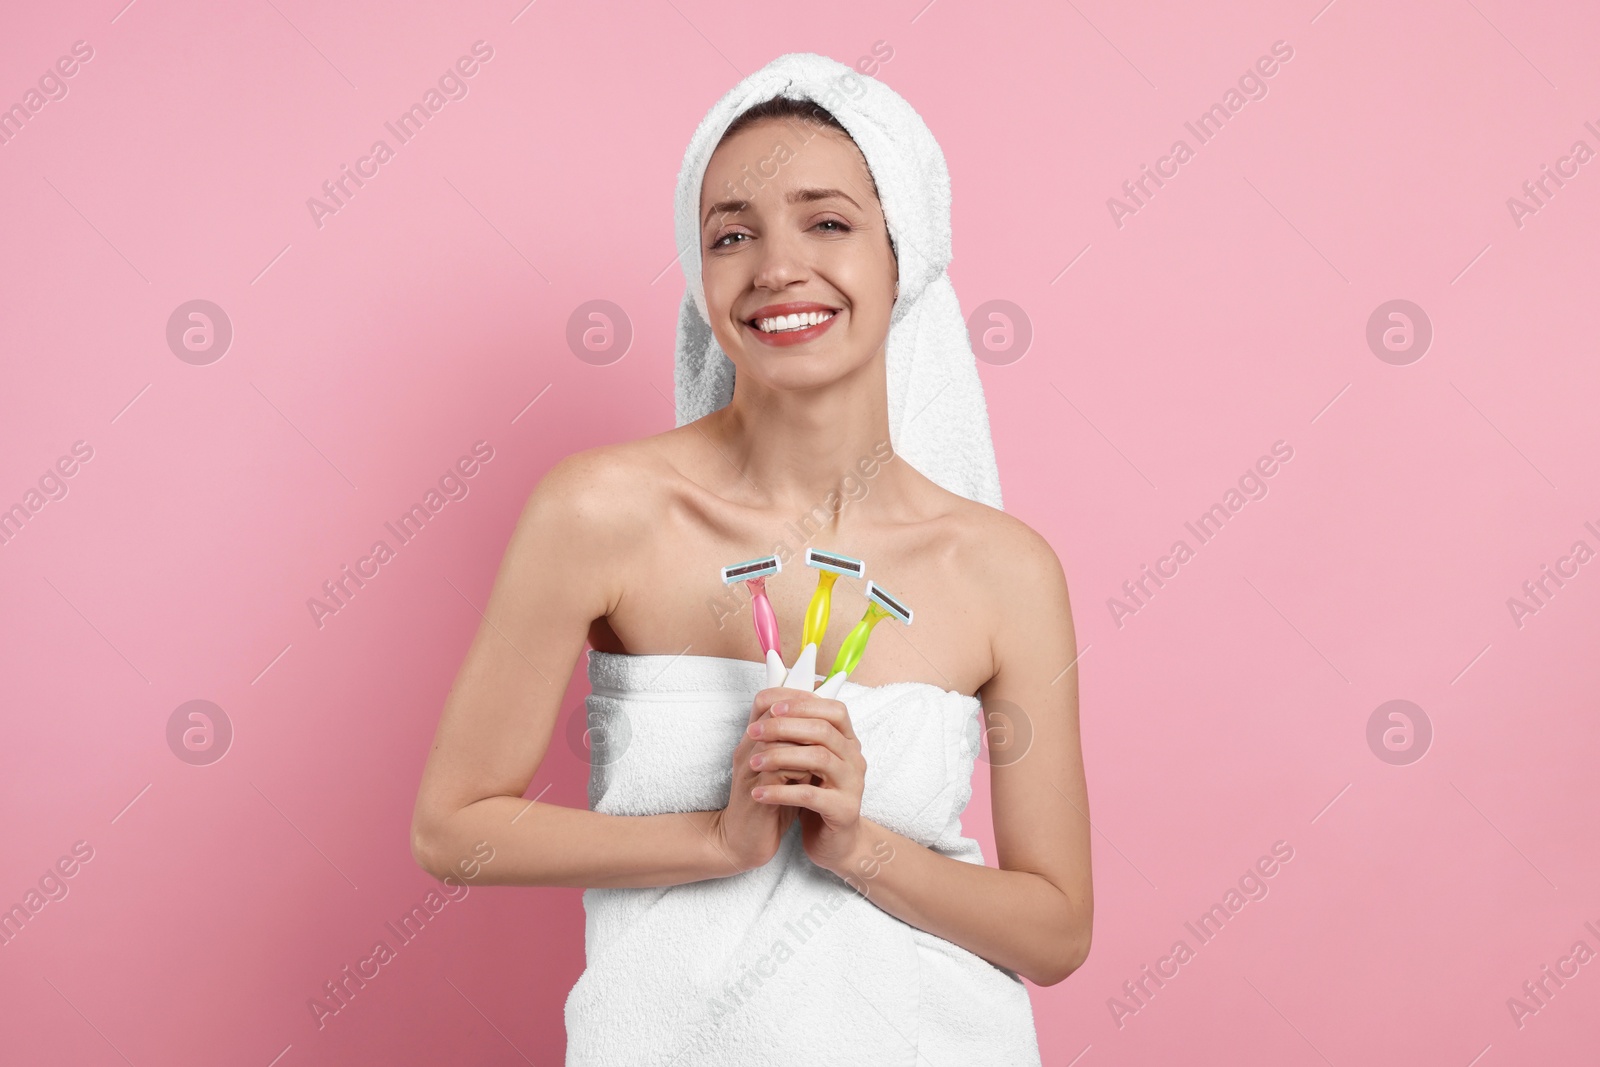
561,571
1033,915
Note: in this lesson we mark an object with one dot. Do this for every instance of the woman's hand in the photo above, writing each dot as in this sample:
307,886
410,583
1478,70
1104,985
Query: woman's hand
748,832
811,739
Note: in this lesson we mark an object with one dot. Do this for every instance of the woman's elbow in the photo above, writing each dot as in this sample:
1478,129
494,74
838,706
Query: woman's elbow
425,845
1067,959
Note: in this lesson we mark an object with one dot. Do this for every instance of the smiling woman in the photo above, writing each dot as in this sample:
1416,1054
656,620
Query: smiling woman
840,223
773,876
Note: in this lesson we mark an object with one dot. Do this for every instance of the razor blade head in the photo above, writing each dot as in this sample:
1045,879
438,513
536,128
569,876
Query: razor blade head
751,568
848,566
888,603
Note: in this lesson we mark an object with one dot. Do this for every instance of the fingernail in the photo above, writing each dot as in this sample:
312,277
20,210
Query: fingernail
755,729
780,707
757,793
758,762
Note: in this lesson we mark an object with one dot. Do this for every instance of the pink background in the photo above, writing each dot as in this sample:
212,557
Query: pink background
1229,312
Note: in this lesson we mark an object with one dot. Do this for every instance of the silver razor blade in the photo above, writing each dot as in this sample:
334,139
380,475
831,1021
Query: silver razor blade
751,568
848,566
888,603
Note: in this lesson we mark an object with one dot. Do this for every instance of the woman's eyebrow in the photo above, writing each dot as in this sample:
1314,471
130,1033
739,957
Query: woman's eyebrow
796,196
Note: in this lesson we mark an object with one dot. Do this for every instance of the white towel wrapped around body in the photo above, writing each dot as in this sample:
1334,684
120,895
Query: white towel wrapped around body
786,963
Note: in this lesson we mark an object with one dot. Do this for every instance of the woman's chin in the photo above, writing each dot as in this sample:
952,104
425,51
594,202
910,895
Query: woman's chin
802,377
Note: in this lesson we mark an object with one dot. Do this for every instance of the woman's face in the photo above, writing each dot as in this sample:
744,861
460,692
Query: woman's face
788,227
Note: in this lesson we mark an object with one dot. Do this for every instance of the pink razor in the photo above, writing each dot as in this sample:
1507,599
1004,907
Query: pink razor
754,573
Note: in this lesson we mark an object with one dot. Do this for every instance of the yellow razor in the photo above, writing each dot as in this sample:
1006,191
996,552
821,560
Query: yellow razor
831,565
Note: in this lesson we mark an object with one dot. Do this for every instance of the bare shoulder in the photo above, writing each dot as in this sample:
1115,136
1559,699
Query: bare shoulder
593,501
609,485
1004,552
573,541
1014,573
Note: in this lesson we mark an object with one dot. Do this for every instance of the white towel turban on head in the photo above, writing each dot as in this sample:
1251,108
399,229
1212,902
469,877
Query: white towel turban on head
938,421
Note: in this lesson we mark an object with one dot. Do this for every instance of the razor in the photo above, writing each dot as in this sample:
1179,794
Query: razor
880,606
803,674
754,573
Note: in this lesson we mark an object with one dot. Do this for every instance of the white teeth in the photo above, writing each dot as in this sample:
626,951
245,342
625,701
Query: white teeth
784,323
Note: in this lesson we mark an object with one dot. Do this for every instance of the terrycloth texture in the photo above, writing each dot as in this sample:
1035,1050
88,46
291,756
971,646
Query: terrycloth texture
784,964
938,421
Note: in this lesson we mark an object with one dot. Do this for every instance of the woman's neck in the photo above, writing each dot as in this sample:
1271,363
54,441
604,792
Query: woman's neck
795,452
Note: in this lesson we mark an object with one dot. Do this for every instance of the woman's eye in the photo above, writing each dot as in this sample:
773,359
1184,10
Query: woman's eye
725,242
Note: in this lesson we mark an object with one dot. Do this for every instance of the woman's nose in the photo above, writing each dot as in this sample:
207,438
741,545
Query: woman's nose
780,262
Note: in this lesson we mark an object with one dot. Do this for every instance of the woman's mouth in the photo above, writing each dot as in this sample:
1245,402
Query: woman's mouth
785,330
